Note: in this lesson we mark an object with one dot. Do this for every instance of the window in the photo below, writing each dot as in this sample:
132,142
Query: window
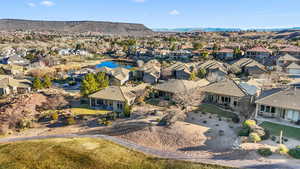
273,110
268,108
235,103
262,108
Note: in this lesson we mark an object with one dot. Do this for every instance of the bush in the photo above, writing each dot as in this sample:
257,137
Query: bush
265,152
254,137
282,149
244,132
71,121
54,116
235,119
127,110
295,152
266,136
249,123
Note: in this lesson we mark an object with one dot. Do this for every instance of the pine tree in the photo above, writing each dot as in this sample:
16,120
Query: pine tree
47,81
37,83
89,85
102,80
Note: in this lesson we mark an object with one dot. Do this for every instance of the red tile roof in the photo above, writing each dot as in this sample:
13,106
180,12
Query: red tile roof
259,49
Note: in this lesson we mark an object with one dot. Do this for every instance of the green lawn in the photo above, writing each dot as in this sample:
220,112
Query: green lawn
83,153
85,110
288,131
209,108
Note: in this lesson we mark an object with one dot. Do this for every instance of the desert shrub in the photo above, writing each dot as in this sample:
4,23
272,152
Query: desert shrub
249,123
295,152
265,152
71,121
22,124
266,136
54,116
235,119
254,137
244,132
282,149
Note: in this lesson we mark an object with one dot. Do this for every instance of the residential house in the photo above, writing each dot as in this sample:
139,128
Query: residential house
9,85
225,54
226,93
291,50
118,76
216,71
112,98
259,53
150,72
250,66
293,69
182,71
279,105
173,87
286,60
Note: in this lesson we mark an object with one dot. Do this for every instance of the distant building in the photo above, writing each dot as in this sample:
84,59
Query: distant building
225,54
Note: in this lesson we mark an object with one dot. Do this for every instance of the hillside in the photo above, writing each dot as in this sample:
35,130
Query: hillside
83,153
75,27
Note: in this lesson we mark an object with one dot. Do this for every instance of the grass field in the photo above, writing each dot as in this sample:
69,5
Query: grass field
288,131
83,153
208,108
85,110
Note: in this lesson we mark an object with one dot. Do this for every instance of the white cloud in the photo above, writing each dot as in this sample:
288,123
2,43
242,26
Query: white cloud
139,1
31,4
47,3
174,12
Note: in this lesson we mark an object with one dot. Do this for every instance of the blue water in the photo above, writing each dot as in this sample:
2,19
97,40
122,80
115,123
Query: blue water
112,65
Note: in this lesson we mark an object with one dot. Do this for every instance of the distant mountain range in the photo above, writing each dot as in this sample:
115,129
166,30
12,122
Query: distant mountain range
222,29
75,27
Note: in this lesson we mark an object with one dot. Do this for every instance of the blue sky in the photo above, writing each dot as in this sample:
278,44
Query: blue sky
161,13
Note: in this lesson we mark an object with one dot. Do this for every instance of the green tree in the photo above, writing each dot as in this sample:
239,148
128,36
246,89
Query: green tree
102,80
37,83
201,73
47,81
127,110
89,85
237,53
193,76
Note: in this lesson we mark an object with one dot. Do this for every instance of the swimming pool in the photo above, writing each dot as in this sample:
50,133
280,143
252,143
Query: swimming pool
113,65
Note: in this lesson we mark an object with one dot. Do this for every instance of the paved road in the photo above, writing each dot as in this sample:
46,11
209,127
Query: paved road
161,154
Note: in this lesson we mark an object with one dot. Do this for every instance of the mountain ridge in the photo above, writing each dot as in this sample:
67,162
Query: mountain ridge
114,28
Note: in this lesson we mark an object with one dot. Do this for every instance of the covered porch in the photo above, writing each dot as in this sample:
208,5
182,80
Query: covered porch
277,114
110,105
226,101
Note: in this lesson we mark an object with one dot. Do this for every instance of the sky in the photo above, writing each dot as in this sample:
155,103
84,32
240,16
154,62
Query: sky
162,13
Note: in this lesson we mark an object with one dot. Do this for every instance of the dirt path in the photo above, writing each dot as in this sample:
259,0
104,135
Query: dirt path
285,164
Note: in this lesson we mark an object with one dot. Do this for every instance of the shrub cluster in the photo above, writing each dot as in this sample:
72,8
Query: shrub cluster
265,152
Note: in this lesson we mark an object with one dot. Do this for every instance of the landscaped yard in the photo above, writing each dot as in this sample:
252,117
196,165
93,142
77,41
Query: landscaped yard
209,108
85,110
288,131
83,153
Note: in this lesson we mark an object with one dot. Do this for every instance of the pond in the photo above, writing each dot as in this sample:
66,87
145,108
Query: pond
113,65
